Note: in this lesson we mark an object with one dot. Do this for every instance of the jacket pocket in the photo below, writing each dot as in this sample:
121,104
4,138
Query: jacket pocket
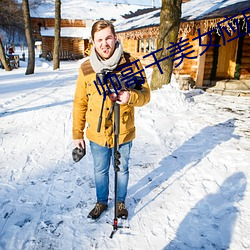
127,120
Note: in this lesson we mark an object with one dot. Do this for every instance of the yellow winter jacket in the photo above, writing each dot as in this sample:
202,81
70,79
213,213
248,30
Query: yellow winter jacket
87,106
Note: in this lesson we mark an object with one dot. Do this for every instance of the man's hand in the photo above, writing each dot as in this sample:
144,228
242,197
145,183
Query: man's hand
79,143
79,151
123,97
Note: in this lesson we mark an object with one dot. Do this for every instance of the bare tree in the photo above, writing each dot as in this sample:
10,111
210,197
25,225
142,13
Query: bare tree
169,27
11,16
36,3
3,57
28,33
56,59
11,24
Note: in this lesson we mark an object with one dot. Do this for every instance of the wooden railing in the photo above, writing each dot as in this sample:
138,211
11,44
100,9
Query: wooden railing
64,55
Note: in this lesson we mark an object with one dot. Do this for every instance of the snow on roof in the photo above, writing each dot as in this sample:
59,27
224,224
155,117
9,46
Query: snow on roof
192,10
85,10
197,10
80,32
145,20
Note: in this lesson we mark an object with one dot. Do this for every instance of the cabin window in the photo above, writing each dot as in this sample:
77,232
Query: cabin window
146,45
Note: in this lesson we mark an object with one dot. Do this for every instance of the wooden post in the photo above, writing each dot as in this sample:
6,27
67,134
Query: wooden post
145,45
201,64
149,45
140,40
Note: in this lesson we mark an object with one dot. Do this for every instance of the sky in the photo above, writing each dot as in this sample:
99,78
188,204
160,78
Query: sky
189,169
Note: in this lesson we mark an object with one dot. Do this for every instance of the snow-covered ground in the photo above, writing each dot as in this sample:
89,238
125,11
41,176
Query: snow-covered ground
189,170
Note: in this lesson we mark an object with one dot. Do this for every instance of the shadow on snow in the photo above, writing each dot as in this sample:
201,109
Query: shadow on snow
23,110
209,225
190,153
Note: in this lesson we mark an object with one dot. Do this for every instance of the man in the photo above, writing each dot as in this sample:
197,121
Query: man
107,55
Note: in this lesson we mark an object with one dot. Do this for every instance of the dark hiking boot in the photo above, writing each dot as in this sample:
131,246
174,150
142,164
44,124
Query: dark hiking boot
122,211
97,210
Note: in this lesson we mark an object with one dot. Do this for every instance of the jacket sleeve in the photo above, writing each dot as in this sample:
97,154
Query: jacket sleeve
80,106
141,97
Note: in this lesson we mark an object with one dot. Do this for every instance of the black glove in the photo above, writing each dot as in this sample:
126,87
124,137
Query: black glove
78,153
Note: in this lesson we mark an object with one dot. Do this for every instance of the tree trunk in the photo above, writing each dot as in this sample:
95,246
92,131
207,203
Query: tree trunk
3,57
169,27
56,59
28,33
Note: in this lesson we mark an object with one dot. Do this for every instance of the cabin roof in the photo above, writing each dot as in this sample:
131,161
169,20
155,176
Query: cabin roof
206,9
194,10
77,32
85,10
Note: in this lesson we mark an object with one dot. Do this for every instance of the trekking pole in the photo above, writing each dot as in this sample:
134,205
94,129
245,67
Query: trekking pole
100,117
117,156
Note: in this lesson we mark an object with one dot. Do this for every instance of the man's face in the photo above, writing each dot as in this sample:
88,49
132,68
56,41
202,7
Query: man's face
104,42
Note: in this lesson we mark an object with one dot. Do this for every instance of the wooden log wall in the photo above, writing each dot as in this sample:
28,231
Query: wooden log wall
131,41
66,44
47,45
245,60
50,22
209,60
188,66
73,45
130,46
79,46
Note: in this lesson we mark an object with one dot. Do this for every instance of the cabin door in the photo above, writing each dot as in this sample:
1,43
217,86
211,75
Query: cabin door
227,57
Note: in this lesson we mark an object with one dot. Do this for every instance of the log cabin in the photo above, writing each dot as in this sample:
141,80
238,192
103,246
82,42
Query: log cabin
202,22
74,37
77,17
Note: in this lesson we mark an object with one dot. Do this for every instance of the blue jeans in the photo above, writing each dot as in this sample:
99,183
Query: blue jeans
102,158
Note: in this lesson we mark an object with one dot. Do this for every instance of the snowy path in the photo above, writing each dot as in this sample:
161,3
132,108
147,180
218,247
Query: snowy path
189,171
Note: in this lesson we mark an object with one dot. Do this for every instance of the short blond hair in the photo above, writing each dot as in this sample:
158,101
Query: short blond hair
100,25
